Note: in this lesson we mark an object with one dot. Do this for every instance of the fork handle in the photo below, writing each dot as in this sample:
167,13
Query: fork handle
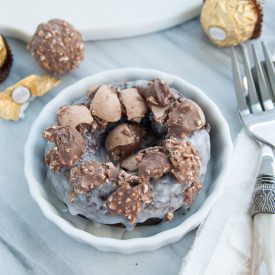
263,212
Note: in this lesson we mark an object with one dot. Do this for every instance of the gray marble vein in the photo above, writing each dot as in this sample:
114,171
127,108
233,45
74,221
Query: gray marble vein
29,243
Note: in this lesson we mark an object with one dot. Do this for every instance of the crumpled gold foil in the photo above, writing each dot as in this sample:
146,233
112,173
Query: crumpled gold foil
10,106
230,22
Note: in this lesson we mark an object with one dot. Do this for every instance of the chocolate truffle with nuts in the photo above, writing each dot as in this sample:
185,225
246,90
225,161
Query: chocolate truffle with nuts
57,46
6,59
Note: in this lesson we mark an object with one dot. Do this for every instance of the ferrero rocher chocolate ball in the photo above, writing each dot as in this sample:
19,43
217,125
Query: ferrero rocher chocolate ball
6,59
57,46
229,23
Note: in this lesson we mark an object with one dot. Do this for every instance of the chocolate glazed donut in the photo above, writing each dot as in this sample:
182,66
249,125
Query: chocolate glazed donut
128,153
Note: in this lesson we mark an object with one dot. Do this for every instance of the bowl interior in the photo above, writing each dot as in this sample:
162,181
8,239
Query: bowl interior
36,145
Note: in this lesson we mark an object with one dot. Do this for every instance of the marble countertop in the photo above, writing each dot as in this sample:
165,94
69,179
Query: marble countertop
29,243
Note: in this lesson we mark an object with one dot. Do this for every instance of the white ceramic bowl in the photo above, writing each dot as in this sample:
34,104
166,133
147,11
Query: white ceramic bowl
142,238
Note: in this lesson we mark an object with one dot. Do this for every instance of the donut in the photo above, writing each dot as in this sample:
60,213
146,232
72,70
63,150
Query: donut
128,153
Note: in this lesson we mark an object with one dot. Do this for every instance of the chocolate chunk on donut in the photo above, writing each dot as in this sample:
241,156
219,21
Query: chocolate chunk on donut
105,104
160,114
153,162
185,160
185,117
53,160
135,180
74,116
157,93
123,140
129,163
133,103
128,199
69,146
89,175
191,192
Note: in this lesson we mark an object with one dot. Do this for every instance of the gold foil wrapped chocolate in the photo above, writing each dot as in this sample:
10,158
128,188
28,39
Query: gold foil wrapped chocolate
5,59
16,98
229,23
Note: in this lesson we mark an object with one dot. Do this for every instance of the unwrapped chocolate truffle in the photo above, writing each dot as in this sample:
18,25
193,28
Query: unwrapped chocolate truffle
5,59
57,46
229,23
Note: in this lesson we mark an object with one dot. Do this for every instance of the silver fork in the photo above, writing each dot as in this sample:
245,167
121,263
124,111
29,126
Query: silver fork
257,114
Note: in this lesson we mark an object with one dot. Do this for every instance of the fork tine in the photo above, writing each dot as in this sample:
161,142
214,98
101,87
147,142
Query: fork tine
252,92
263,88
270,67
239,89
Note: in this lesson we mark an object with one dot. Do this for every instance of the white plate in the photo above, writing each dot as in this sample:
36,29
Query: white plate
97,19
142,238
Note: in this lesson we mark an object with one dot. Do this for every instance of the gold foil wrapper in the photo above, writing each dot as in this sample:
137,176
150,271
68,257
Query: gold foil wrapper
231,22
15,99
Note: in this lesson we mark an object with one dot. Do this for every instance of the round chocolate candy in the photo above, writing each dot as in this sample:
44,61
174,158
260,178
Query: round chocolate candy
6,59
57,46
229,23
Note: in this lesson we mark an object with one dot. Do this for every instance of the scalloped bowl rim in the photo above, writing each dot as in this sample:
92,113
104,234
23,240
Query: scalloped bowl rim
136,244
